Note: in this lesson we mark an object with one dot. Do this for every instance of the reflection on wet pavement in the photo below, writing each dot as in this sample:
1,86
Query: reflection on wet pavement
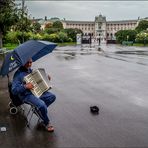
137,55
139,101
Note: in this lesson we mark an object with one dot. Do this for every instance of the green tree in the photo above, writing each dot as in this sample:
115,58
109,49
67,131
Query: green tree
52,30
24,24
143,25
57,24
8,17
125,35
36,27
48,25
72,33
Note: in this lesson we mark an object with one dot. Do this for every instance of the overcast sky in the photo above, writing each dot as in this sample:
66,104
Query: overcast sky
87,10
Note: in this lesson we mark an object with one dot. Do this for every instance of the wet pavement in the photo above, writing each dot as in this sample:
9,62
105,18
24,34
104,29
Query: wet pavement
115,78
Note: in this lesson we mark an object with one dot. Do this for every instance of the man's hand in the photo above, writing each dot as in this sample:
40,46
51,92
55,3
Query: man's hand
29,86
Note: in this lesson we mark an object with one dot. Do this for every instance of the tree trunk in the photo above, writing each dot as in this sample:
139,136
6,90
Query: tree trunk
1,41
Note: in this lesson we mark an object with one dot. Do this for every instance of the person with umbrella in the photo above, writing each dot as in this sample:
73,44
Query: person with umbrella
23,91
21,58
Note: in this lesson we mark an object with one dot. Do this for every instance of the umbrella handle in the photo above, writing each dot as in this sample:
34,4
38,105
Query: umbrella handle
8,78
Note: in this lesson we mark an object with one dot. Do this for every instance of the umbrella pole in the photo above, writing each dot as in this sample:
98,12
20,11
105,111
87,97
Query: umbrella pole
8,78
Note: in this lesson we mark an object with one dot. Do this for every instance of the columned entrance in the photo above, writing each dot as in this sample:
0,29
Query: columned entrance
100,29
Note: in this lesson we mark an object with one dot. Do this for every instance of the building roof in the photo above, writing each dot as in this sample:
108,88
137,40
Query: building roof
80,22
122,21
108,22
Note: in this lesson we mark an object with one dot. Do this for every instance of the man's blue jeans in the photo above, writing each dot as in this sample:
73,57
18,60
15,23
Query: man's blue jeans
41,103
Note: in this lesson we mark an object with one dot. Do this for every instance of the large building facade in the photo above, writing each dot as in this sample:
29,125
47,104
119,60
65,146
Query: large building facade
100,28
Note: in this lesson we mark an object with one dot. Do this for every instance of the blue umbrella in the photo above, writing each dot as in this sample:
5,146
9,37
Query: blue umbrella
34,49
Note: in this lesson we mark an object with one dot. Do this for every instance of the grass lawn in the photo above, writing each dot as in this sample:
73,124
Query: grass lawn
67,44
139,44
10,46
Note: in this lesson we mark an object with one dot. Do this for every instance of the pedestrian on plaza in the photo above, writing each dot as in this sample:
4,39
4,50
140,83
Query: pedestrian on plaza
99,40
22,89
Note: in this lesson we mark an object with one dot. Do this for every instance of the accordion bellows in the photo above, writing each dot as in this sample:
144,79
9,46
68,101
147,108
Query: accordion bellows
40,81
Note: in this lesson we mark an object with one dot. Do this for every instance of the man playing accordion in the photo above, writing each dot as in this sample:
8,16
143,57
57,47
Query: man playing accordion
23,91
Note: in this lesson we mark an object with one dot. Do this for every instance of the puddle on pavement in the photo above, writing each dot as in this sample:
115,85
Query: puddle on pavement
139,101
134,56
137,52
65,57
69,54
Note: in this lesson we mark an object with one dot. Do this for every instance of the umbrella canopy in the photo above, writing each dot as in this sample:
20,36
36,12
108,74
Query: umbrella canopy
34,49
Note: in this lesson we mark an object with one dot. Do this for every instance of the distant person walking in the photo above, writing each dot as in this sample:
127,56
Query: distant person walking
99,41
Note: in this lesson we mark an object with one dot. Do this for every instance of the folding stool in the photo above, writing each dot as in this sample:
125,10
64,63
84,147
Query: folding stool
32,110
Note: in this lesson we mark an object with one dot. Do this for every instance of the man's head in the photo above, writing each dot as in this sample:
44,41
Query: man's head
28,64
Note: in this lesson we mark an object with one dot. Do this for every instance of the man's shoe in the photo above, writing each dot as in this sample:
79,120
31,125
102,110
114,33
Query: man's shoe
49,128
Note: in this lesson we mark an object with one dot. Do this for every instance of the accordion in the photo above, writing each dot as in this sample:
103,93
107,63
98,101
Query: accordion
40,81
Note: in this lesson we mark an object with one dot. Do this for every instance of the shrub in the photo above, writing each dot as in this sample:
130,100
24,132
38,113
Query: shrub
54,37
142,37
63,37
22,36
51,30
35,36
46,37
11,37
